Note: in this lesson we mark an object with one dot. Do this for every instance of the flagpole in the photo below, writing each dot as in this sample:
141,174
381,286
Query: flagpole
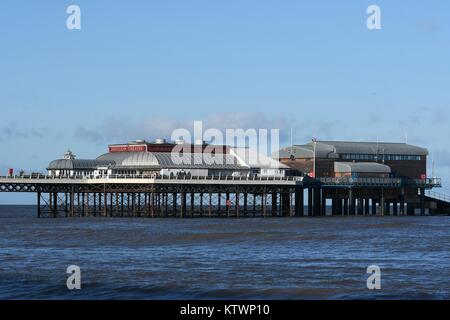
314,157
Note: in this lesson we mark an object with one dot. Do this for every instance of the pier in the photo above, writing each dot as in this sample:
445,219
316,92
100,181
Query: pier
318,179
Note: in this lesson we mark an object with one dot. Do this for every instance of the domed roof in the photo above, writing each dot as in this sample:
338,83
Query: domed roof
165,160
131,159
73,164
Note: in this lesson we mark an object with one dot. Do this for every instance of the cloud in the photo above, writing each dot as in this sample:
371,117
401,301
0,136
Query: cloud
12,131
89,135
149,128
441,158
430,25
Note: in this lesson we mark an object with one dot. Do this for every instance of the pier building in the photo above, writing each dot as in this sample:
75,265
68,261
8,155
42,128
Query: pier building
161,158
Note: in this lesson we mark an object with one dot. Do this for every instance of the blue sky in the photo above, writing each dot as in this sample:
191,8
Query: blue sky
138,69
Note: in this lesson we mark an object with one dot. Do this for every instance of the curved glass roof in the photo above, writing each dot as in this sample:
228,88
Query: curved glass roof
75,164
171,160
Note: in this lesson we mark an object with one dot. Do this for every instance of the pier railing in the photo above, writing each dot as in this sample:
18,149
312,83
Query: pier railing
438,196
119,177
324,181
377,182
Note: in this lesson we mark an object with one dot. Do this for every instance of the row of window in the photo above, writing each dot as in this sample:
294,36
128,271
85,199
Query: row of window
379,157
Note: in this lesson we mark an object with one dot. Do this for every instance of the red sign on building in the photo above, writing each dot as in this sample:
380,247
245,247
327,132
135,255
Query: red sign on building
128,148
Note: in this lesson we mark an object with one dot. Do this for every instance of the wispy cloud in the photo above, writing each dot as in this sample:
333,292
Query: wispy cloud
13,131
152,127
89,135
430,25
441,157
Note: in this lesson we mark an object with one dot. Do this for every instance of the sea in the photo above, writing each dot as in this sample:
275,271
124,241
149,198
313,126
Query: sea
236,258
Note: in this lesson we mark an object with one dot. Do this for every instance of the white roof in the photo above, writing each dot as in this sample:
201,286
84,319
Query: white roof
252,159
361,167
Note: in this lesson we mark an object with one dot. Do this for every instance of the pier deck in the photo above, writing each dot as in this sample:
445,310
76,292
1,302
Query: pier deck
226,196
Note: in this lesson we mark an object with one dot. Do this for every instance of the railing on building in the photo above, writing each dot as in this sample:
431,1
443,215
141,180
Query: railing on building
377,182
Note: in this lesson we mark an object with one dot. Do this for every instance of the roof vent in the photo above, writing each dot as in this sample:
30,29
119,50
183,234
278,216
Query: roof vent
199,142
180,141
160,141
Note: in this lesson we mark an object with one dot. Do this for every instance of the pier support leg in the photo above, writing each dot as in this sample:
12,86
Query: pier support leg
360,206
151,203
245,203
227,203
388,209
299,201
366,206
323,205
395,208
111,204
39,204
285,200
410,209
174,204
317,202
66,204
72,207
55,204
351,201
337,206
210,204
105,200
274,204
310,202
183,205
237,204
264,203
192,204
422,201
334,206
402,205
374,207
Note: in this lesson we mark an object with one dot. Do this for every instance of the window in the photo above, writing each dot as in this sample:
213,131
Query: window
373,157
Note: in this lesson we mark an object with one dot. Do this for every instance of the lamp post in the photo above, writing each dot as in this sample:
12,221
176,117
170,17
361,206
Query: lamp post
314,140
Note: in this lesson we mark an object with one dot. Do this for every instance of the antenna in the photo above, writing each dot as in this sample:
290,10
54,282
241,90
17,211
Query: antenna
378,145
292,143
406,136
432,166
